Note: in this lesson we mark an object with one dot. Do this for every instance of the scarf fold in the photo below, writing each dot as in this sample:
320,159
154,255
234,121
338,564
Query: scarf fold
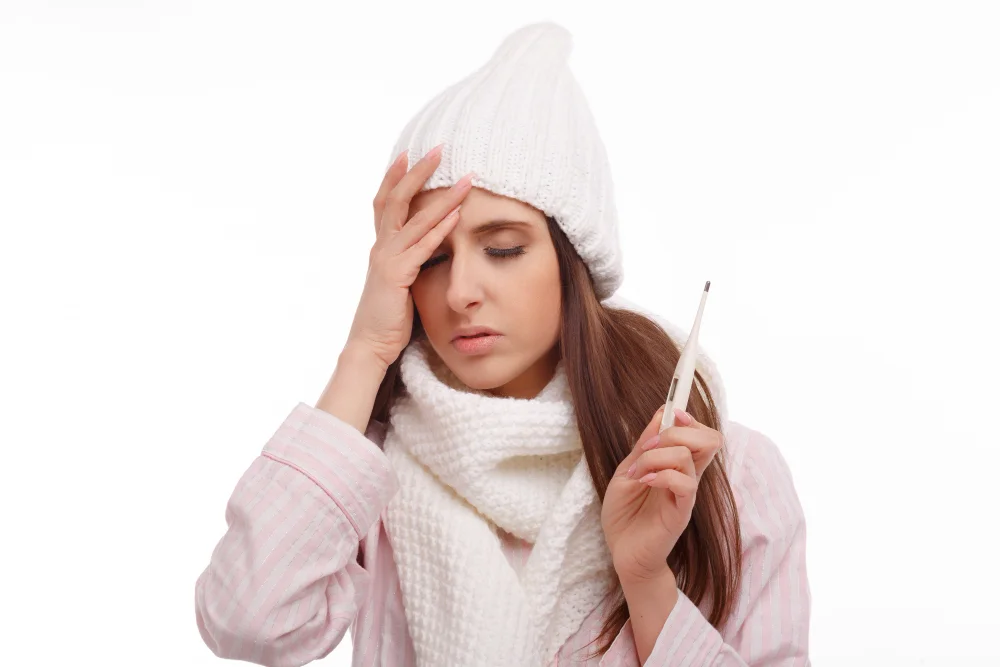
469,463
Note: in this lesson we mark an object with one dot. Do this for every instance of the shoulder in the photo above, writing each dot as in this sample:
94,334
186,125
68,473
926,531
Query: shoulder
751,452
758,472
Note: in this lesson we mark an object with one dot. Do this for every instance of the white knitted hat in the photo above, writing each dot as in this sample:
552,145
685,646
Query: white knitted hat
522,125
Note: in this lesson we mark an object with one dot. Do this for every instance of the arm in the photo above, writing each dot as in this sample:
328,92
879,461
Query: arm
350,393
770,624
650,602
283,584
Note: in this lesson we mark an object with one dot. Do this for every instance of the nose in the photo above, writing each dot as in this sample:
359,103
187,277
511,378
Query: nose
464,287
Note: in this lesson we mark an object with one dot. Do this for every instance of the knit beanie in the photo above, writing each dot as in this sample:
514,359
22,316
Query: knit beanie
521,124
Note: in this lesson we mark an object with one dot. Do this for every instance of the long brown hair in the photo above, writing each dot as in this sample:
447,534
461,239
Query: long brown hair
619,365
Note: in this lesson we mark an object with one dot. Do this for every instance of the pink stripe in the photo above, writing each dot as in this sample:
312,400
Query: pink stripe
250,526
352,520
314,554
327,464
257,589
368,472
262,516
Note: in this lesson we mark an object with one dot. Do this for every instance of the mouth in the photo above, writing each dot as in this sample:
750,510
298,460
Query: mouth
476,344
472,333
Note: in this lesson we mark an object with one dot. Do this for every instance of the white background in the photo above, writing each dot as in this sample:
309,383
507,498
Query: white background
185,199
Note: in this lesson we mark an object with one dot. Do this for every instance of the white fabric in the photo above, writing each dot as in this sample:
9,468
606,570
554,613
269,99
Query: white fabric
468,461
522,124
465,460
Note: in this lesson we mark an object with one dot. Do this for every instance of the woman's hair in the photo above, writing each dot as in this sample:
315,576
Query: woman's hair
619,365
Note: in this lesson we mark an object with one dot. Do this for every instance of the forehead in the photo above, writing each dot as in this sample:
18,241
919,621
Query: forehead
481,205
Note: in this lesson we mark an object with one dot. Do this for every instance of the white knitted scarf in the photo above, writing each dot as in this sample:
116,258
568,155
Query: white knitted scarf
468,461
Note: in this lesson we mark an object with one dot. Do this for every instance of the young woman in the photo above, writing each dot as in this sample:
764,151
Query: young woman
482,482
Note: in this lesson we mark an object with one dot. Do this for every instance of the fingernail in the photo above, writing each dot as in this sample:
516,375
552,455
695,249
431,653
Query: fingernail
434,152
631,470
652,442
684,417
400,157
464,182
649,478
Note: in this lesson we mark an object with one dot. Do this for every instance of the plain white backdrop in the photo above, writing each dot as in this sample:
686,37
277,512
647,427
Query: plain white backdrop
185,200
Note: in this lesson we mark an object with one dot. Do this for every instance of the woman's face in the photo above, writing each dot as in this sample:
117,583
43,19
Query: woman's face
504,277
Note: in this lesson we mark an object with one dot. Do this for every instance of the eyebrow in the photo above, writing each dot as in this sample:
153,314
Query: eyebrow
499,224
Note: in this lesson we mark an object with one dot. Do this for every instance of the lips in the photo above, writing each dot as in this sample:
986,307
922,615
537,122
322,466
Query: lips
476,344
474,332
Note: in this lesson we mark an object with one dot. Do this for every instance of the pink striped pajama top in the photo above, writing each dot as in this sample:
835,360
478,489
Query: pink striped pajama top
305,557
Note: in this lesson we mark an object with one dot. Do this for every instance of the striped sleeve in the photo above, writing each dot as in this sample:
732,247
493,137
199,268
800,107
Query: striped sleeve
770,624
283,584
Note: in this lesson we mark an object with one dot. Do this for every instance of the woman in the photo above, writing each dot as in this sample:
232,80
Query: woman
482,481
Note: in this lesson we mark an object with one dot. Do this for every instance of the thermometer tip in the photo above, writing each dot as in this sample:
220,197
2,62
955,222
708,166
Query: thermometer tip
707,283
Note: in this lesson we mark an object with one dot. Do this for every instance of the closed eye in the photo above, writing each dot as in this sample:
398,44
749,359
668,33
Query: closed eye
498,253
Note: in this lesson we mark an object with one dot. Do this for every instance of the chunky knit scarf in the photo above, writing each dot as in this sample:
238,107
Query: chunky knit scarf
468,463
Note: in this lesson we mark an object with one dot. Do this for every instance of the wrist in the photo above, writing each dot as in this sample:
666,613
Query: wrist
633,579
351,391
361,357
631,569
650,602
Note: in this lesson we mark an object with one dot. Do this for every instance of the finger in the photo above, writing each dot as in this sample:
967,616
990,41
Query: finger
427,219
397,204
421,251
650,432
678,458
684,418
653,427
392,175
683,486
703,443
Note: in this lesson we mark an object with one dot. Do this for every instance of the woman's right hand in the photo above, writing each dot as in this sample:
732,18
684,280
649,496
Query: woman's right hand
383,322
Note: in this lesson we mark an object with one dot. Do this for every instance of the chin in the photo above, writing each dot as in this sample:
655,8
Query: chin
482,373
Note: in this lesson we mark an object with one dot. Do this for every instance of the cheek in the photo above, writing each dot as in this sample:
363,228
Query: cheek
422,292
430,300
542,311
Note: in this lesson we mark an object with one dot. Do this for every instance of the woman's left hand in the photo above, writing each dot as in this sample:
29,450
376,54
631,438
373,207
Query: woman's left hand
645,512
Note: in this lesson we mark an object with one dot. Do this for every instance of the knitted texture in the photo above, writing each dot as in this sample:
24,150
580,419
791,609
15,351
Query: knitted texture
467,462
521,123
